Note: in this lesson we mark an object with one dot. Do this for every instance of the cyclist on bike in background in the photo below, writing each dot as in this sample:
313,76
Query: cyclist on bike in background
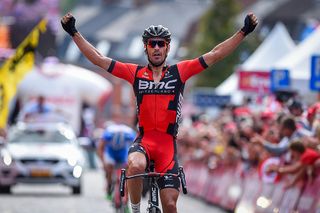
159,92
113,150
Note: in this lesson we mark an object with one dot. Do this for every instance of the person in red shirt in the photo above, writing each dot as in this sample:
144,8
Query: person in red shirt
158,88
303,158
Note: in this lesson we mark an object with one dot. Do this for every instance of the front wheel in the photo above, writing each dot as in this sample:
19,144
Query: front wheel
154,210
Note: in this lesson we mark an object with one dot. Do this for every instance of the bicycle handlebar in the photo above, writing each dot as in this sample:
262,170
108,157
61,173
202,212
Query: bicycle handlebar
180,174
151,174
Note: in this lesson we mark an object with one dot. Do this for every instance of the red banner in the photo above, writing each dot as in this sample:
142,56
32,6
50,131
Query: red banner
256,81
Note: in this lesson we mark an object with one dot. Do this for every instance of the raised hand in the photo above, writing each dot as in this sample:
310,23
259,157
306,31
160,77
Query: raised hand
250,23
68,24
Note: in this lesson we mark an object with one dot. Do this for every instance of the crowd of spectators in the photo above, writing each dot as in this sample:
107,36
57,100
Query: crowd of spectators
275,137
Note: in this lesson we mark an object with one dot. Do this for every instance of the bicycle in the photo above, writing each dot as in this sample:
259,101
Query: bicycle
153,201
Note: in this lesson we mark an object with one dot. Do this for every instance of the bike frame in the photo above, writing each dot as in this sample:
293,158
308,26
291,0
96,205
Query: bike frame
153,193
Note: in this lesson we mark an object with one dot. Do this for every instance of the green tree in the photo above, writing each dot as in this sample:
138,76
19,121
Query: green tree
217,24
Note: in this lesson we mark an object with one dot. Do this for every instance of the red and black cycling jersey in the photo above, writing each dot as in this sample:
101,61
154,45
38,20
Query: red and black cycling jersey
158,104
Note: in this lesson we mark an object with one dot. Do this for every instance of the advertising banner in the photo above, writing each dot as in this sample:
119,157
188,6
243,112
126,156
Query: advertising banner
256,81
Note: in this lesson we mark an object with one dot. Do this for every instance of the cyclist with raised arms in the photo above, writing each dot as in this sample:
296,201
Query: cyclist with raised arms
158,88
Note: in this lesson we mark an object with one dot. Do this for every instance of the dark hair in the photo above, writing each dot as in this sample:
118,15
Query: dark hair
289,123
158,31
297,146
294,104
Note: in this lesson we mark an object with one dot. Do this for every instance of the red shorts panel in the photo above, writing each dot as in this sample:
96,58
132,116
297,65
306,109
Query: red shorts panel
160,147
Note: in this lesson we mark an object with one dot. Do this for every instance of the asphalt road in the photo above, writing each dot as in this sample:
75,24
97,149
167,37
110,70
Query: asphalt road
56,198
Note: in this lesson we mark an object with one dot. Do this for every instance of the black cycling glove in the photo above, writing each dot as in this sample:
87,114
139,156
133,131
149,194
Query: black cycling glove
248,26
69,26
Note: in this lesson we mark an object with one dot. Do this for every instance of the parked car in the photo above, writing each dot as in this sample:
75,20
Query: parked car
41,153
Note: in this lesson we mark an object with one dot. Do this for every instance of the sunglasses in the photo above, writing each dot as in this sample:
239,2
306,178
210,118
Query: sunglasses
153,43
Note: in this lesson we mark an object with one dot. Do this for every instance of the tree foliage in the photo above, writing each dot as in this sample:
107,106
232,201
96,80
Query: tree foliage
216,25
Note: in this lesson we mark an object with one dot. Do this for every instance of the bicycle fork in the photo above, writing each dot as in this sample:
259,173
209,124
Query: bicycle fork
154,191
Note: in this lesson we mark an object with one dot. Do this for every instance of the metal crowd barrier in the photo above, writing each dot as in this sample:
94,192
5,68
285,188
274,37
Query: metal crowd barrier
243,191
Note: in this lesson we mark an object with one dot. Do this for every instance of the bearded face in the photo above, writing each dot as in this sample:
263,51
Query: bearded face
157,50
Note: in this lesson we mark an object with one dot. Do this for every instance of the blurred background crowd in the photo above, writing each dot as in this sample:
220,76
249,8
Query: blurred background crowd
240,134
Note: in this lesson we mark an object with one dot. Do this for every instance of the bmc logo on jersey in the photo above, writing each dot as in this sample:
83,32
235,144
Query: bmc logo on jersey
160,85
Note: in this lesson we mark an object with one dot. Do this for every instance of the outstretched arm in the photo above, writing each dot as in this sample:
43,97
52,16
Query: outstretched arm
228,46
89,51
288,169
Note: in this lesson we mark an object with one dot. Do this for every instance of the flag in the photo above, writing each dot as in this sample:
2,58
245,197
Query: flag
14,69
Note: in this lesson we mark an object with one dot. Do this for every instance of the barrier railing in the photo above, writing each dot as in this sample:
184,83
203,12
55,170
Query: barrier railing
244,191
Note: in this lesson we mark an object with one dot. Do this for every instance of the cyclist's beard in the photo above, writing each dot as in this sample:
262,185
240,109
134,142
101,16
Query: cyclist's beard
157,64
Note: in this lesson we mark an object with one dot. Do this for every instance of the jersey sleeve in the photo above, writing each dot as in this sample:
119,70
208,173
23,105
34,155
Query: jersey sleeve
189,68
124,71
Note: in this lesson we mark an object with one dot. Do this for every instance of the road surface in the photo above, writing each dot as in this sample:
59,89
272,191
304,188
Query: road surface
57,198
